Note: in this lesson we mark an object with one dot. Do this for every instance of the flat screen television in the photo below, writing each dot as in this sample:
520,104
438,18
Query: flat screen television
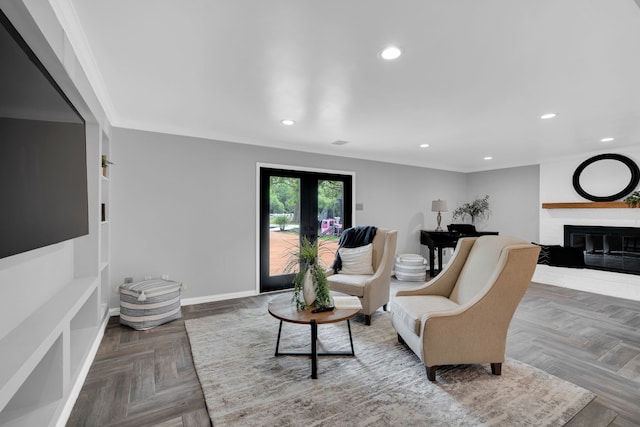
43,161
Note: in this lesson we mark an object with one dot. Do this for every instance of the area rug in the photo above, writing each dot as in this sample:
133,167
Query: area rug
245,384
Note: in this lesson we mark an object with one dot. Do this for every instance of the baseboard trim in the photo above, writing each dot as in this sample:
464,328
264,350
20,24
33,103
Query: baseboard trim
220,297
82,375
201,300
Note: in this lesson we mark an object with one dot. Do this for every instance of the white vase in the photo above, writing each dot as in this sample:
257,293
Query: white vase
308,290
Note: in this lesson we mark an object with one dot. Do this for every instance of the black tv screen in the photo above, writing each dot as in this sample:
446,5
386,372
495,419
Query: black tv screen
43,164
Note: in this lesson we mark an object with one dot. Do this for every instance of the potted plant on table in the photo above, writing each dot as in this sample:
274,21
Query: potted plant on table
310,283
477,209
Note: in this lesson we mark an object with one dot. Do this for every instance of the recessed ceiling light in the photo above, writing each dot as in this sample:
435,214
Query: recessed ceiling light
548,116
607,139
390,53
340,142
424,145
488,158
288,122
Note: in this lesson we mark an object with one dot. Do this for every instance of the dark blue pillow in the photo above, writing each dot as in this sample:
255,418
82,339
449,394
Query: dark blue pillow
545,253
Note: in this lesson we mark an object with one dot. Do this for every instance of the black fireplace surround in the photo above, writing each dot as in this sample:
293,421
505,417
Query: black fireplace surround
605,248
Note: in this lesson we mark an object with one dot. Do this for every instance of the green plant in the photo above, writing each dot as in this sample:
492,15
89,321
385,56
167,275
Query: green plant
282,221
633,200
477,209
306,258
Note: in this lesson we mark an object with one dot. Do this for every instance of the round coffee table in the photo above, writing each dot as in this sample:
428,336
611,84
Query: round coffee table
282,308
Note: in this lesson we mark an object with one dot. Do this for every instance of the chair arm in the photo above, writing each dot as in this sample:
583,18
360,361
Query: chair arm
444,282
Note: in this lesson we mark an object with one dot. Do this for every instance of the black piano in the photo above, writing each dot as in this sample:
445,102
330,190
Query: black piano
447,239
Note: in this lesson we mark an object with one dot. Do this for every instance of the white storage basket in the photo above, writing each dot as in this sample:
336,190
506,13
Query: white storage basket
411,268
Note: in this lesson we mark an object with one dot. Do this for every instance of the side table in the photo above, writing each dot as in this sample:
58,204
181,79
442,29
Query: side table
283,309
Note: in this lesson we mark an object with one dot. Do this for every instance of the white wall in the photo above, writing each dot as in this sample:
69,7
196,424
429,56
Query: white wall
513,200
186,207
556,185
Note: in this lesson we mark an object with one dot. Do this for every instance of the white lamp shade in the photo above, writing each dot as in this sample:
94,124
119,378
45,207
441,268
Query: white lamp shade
439,206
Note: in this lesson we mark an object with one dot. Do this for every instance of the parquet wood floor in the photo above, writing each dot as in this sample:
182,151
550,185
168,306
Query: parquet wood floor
147,378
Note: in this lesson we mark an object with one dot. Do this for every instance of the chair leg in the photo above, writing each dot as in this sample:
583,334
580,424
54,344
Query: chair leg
400,339
431,373
384,307
496,368
367,319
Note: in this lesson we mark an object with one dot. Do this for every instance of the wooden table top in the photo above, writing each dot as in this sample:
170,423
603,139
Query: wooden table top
282,307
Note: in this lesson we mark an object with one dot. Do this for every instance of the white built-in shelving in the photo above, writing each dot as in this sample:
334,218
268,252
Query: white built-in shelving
105,222
42,371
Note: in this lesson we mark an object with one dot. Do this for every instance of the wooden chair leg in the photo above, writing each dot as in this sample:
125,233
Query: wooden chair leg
496,368
400,339
431,373
367,319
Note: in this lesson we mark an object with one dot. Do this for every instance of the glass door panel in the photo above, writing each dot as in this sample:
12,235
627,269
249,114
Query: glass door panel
284,220
330,218
296,205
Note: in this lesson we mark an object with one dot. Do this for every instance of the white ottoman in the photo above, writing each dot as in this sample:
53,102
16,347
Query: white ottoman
150,303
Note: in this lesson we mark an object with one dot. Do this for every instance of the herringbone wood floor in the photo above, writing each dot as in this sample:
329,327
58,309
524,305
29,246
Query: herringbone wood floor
147,378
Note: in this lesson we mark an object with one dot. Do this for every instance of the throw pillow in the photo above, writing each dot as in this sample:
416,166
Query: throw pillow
357,260
545,253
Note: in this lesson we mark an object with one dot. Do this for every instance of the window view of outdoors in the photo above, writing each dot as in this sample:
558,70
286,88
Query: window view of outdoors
284,215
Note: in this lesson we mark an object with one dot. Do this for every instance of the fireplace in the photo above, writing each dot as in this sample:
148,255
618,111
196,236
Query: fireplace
606,248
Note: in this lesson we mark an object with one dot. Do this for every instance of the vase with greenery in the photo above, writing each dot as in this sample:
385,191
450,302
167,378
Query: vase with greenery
310,272
478,209
633,200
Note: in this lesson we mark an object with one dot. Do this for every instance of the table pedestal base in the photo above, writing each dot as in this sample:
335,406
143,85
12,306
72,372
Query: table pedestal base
314,349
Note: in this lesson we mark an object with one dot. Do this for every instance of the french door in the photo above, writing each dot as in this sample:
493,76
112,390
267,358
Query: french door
294,205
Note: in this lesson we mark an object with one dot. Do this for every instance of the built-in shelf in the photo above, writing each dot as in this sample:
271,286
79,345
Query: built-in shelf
46,354
36,356
38,397
585,205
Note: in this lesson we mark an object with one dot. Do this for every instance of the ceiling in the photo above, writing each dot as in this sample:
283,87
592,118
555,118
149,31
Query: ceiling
473,80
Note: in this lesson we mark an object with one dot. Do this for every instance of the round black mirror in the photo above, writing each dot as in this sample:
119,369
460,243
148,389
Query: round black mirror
632,184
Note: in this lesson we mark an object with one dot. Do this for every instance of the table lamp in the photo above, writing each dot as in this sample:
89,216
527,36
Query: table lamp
439,206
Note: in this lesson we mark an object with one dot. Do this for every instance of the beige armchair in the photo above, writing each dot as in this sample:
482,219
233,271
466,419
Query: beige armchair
463,314
372,289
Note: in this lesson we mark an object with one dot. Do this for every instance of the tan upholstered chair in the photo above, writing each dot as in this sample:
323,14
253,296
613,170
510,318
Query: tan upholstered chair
373,290
463,314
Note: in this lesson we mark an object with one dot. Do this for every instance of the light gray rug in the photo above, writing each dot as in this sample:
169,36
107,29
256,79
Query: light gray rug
385,384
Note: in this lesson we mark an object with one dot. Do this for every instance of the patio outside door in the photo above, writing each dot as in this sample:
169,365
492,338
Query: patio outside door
294,205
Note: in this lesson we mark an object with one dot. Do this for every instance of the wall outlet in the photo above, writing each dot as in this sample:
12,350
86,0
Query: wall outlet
128,280
165,277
